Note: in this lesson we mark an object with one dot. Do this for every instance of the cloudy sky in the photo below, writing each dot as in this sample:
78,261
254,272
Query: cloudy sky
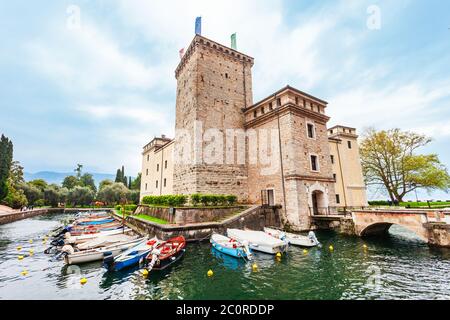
96,92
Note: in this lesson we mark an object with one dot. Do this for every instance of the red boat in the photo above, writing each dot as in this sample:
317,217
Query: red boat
166,254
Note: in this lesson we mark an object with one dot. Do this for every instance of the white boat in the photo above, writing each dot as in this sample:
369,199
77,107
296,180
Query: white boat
259,241
105,241
294,239
97,254
86,237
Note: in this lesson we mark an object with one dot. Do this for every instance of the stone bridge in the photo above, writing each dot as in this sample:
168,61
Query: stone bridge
432,226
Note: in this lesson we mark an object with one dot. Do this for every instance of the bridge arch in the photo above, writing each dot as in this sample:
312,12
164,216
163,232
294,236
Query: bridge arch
383,228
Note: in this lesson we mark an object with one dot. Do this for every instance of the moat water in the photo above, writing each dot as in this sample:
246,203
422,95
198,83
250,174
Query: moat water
398,266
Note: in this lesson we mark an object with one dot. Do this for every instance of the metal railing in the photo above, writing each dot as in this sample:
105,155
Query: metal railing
328,211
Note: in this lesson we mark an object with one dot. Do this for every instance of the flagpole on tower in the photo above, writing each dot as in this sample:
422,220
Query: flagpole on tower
233,41
198,26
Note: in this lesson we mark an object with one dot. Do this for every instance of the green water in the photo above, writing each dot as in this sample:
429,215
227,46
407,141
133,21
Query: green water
395,267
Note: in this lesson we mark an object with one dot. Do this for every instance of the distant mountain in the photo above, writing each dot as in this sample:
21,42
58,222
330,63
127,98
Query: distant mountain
58,177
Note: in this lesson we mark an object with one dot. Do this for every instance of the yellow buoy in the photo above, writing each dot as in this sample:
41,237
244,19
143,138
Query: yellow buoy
31,252
331,248
255,267
83,281
30,241
20,257
210,273
365,246
24,272
278,255
145,272
305,251
19,248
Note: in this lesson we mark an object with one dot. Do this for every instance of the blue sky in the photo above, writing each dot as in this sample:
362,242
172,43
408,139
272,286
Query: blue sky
97,94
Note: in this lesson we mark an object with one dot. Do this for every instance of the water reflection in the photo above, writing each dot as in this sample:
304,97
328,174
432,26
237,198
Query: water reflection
398,266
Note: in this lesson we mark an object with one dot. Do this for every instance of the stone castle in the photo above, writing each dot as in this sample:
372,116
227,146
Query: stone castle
277,151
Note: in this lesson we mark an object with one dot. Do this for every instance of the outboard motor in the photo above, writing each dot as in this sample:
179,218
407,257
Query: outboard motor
313,238
108,261
247,249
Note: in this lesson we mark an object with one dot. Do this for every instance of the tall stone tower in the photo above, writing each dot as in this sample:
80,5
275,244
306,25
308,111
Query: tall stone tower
214,86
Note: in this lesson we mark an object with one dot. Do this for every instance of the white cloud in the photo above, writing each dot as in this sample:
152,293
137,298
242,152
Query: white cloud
87,60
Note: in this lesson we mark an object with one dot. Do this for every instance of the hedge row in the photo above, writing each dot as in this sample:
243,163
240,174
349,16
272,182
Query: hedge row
170,200
213,199
195,200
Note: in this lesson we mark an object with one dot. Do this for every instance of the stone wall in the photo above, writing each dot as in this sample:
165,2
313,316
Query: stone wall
188,215
8,218
255,218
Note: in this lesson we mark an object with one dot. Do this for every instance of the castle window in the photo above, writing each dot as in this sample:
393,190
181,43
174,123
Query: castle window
157,167
270,106
156,184
314,163
279,102
147,172
331,131
226,75
148,157
311,131
296,100
262,110
332,159
255,114
334,176
349,143
165,182
165,164
146,187
338,199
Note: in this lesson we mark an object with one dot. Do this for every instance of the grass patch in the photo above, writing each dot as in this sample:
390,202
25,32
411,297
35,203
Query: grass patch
141,216
151,219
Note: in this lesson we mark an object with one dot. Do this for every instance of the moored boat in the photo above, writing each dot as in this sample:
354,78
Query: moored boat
259,241
98,254
132,256
166,254
231,246
294,239
86,237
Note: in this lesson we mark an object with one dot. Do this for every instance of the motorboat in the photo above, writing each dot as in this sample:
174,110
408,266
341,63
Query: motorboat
259,241
231,246
294,239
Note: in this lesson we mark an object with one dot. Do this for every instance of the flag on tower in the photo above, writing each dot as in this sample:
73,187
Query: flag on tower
198,26
233,41
181,53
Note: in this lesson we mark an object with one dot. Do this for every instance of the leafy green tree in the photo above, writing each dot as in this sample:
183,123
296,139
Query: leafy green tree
118,176
41,184
114,193
87,180
105,183
70,182
81,196
389,160
78,170
6,157
52,195
16,197
32,193
16,174
136,183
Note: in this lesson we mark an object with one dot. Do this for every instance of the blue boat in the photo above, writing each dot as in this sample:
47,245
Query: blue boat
96,222
230,247
131,257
